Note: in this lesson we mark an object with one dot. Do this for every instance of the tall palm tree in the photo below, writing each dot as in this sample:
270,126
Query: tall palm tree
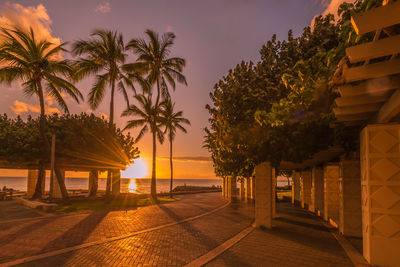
148,116
104,56
153,58
35,63
172,121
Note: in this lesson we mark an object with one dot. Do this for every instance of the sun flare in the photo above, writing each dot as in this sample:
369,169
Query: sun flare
136,170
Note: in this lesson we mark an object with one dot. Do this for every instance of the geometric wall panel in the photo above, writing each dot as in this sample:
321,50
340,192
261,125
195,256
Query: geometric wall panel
380,193
331,192
306,189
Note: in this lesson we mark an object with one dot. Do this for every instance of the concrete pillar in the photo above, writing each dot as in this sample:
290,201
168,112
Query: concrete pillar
232,188
263,203
33,176
317,190
273,192
248,188
93,183
223,187
380,193
350,198
116,182
305,189
296,200
331,193
242,192
253,188
56,187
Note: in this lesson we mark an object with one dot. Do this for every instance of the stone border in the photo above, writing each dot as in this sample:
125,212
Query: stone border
212,254
100,242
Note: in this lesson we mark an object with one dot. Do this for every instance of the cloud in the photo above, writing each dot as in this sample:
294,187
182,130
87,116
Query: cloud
20,107
331,7
189,159
103,8
16,15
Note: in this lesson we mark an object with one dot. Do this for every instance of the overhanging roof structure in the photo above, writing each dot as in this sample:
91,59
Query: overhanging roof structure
371,90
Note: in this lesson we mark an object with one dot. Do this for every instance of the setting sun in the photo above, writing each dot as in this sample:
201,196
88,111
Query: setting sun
136,170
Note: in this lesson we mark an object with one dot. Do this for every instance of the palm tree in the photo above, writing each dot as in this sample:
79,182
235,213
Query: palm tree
35,62
172,121
104,55
153,59
148,116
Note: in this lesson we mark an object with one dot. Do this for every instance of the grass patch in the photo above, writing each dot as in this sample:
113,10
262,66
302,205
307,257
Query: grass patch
88,205
284,193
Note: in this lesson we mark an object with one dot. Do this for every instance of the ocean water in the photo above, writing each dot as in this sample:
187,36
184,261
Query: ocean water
139,186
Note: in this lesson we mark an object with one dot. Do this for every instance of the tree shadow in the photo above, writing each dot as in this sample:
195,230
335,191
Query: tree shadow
208,242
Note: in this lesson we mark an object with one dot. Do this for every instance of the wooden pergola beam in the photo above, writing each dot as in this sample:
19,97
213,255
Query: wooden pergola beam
357,109
354,117
371,87
379,48
371,71
360,100
377,18
390,109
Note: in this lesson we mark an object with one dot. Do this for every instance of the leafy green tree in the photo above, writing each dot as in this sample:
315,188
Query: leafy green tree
35,63
172,121
153,59
104,55
148,116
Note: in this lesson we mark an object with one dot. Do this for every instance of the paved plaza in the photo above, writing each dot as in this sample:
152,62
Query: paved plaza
173,234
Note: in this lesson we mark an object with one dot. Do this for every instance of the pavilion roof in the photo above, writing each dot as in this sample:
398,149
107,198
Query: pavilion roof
371,89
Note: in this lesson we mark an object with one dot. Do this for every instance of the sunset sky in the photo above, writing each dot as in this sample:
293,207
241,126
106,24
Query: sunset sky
212,35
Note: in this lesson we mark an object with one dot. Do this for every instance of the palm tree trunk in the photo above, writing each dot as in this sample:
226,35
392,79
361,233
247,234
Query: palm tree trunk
42,128
171,166
158,92
41,176
110,125
153,172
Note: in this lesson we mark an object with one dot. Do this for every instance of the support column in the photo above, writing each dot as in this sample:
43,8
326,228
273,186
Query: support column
248,188
116,182
331,193
33,176
380,193
223,187
263,205
56,187
242,192
296,200
317,191
273,193
232,188
253,188
350,198
305,189
93,183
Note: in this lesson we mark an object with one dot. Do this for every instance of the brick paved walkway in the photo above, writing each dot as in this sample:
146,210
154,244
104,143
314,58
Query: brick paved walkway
297,238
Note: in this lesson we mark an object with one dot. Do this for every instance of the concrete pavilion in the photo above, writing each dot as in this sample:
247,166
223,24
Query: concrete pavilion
358,192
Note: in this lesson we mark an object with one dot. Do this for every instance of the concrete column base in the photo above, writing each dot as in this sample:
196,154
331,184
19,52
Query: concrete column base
242,192
263,203
33,176
273,192
248,188
317,191
232,188
56,187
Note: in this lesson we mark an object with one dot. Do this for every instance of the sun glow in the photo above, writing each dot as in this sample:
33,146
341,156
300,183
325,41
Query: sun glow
136,170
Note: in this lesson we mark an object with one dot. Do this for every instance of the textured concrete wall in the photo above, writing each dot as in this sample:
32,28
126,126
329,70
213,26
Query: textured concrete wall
273,193
253,188
331,192
305,188
380,185
242,190
232,188
317,190
263,203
